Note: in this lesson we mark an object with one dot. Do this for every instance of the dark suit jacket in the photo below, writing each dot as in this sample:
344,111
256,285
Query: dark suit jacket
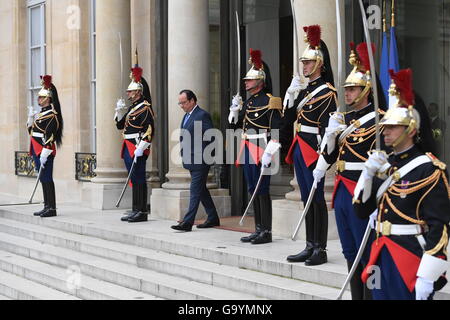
192,144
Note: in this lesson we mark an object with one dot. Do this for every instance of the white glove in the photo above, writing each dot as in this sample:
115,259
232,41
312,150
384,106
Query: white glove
44,156
295,86
424,288
31,115
236,105
138,153
318,174
121,109
373,219
336,119
292,92
266,159
376,160
336,124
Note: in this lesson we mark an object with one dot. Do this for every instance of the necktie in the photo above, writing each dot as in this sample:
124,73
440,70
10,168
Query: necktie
186,119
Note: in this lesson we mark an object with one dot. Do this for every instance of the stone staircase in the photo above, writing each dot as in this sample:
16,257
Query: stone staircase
87,254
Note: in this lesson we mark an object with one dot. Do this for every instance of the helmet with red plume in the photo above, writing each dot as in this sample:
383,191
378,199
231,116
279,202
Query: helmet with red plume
406,108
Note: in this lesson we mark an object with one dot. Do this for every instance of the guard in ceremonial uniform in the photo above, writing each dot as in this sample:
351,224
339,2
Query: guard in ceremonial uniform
309,114
137,123
46,130
258,117
409,192
348,138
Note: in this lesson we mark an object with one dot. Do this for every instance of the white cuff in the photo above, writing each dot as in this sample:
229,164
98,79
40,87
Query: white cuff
322,164
143,145
46,152
431,268
272,147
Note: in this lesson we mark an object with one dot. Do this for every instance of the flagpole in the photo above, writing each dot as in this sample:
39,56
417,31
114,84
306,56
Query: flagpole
393,14
393,50
384,61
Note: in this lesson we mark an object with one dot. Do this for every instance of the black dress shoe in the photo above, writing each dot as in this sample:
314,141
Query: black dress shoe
138,217
263,237
183,226
250,237
130,215
49,213
37,214
302,256
209,224
318,257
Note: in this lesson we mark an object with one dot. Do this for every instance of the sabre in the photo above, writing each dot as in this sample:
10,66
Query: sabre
238,88
253,196
35,185
375,94
305,210
19,204
126,183
358,258
121,64
295,38
340,56
373,75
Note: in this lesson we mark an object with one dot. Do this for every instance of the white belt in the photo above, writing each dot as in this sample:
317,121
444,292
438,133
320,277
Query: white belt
37,135
254,136
307,129
387,229
131,136
351,166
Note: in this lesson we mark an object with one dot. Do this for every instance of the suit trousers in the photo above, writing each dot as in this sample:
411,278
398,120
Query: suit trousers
200,193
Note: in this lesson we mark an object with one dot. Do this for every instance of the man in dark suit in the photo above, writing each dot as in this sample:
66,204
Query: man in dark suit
192,148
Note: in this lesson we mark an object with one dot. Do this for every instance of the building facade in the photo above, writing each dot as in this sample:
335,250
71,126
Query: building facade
181,44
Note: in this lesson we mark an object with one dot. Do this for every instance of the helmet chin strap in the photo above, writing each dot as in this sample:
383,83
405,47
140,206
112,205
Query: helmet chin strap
360,96
44,102
132,98
255,86
408,130
316,66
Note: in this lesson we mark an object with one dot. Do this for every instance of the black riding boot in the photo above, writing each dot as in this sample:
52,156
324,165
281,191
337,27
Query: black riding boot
308,251
51,211
142,215
257,216
356,284
265,236
319,255
45,194
134,205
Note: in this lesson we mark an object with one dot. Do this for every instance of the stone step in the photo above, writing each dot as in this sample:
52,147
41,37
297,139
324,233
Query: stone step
217,246
122,274
259,284
18,288
67,280
269,258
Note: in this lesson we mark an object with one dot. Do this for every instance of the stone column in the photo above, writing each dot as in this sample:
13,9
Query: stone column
143,28
287,211
188,68
113,17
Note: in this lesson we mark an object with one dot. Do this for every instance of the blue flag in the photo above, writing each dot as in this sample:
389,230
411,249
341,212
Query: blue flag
393,52
384,67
